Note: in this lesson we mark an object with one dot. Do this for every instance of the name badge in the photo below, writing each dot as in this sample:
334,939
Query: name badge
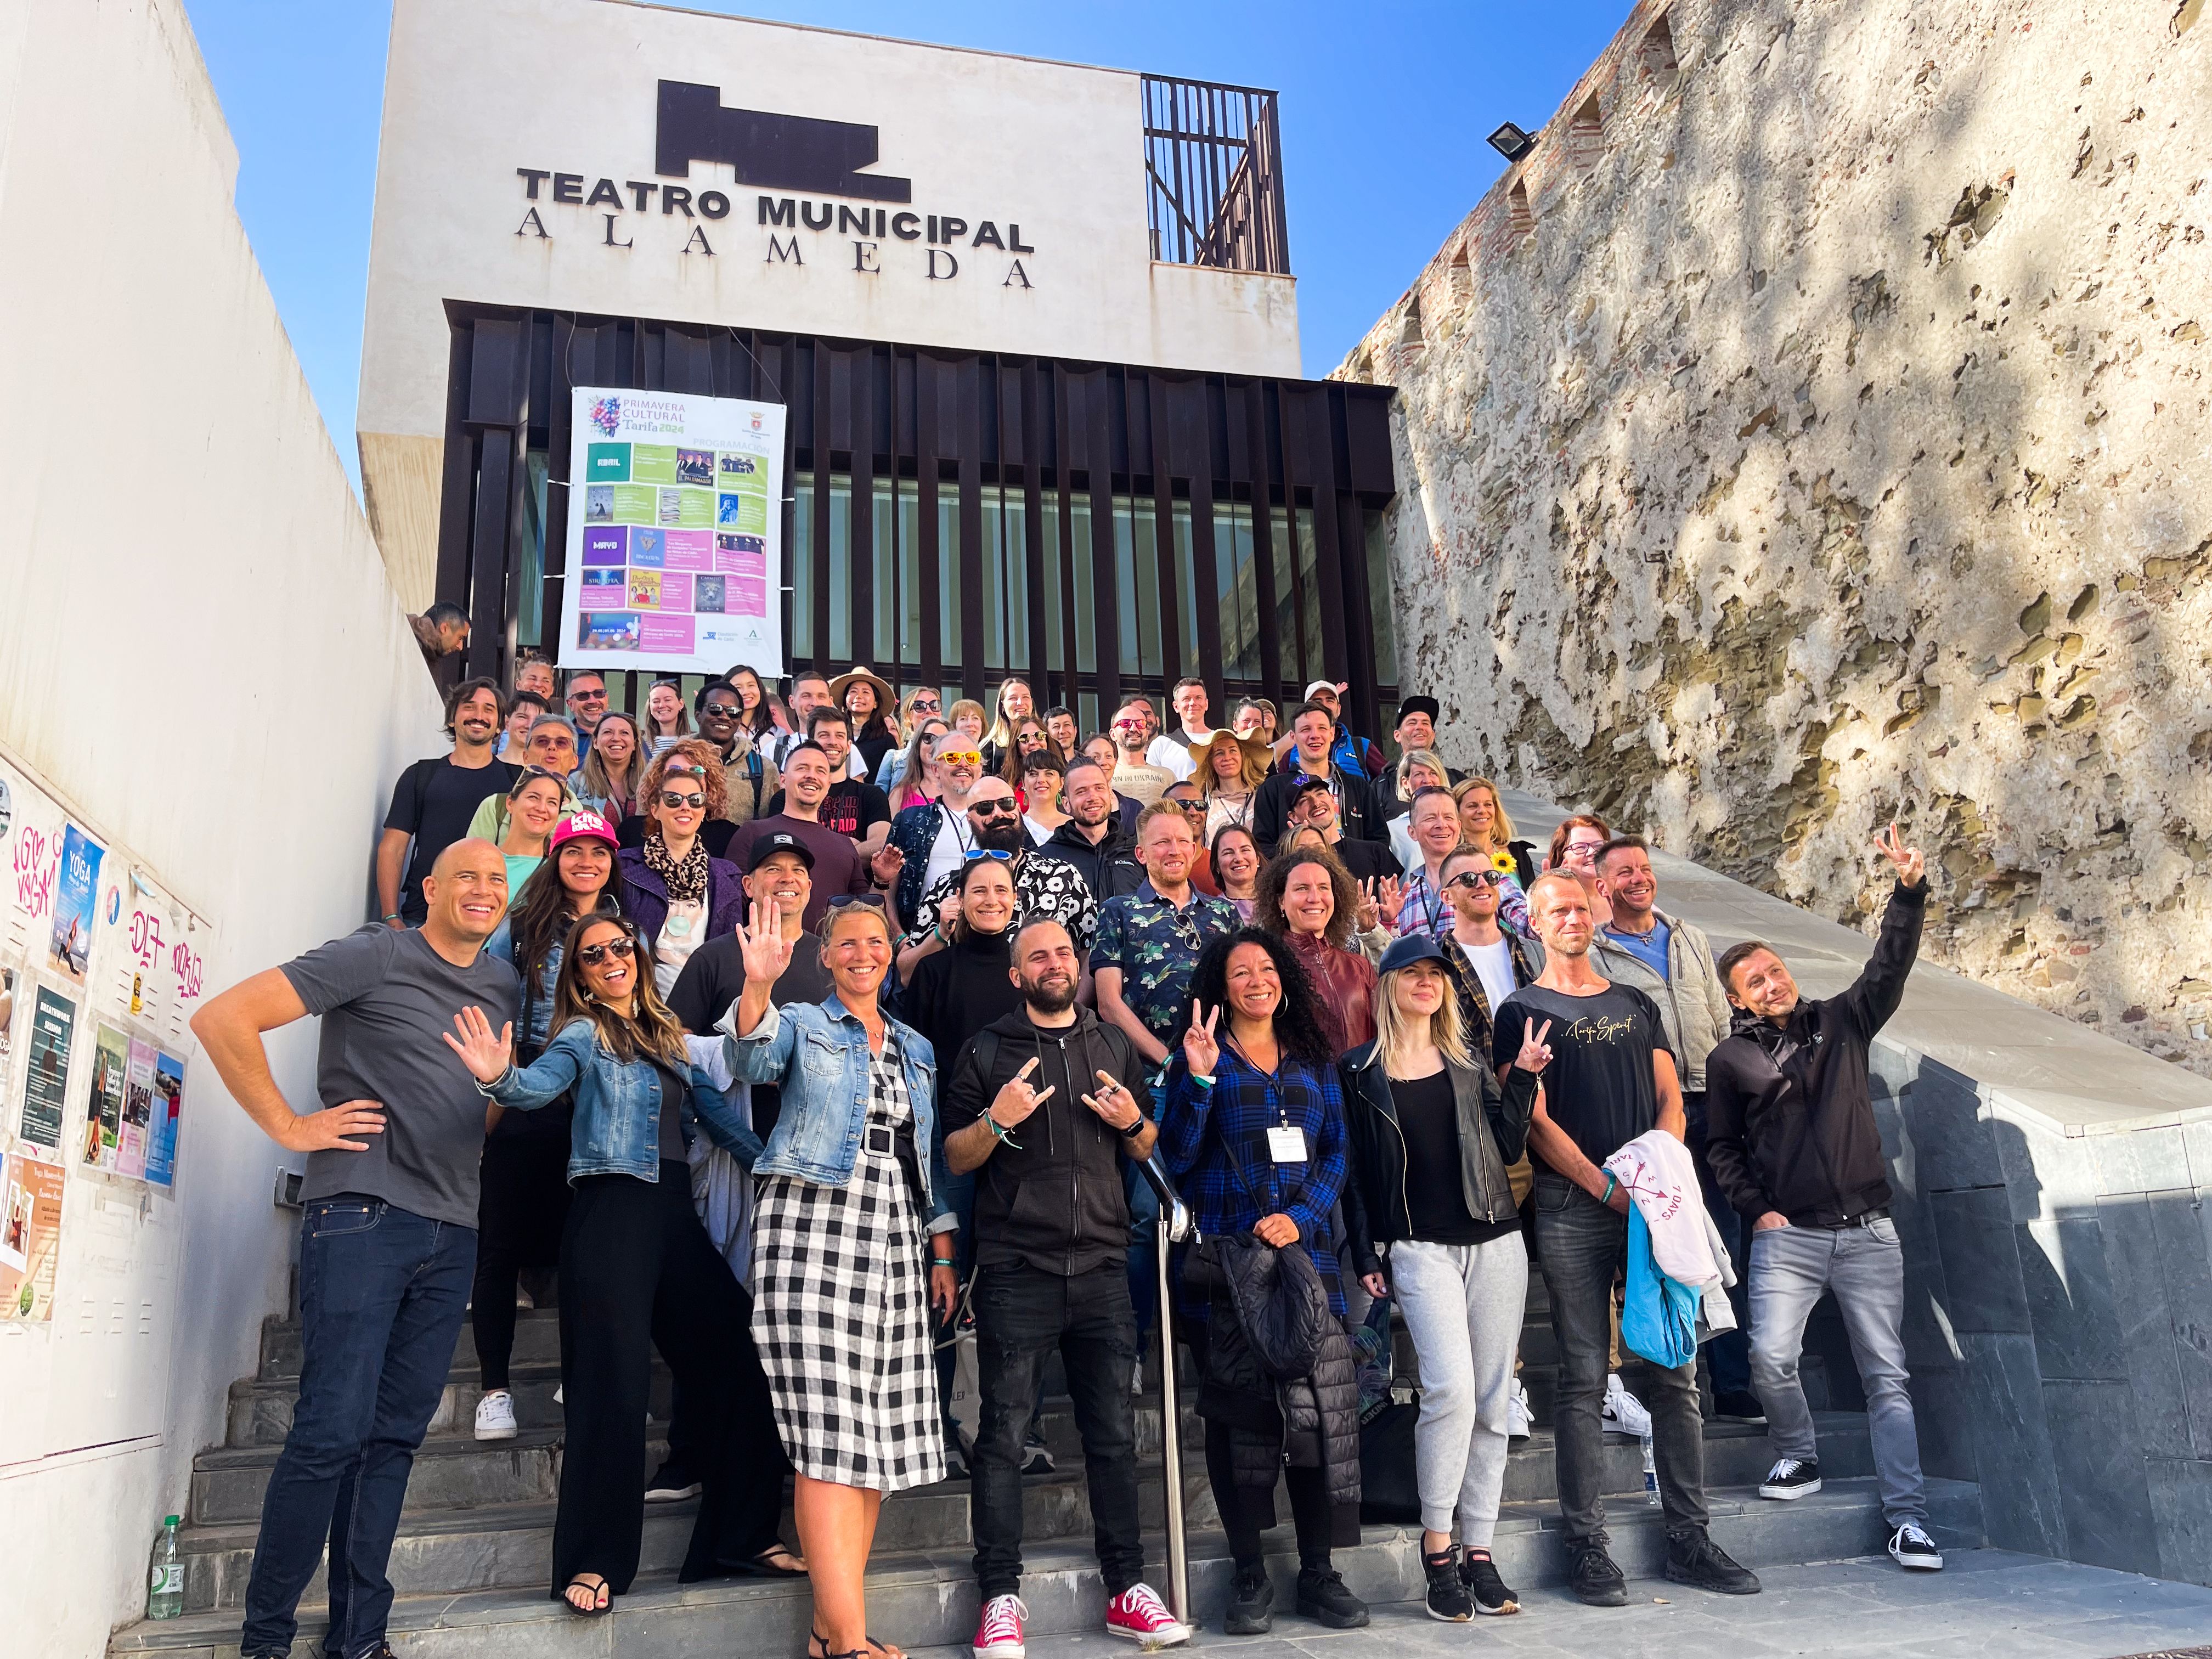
1286,1144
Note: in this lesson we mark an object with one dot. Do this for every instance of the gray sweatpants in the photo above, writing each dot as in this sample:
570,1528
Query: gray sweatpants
1463,1305
1865,1267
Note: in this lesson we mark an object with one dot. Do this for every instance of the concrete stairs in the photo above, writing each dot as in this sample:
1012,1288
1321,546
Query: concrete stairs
473,1559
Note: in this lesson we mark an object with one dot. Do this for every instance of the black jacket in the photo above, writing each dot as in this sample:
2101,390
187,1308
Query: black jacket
1493,1131
1051,1197
1109,870
1360,812
1477,1019
1789,1122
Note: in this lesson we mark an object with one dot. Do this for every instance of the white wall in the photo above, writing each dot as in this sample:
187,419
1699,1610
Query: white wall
200,650
475,92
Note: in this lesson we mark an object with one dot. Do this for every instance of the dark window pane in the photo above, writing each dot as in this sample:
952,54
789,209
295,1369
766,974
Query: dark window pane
1378,599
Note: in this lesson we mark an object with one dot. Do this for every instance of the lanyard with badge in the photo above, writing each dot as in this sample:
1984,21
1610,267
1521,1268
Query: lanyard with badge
1286,1142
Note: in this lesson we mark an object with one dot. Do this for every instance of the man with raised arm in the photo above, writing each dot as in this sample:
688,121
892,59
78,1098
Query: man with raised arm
387,1239
1791,1133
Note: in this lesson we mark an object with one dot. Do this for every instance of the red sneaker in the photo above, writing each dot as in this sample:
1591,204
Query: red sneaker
998,1632
1139,1613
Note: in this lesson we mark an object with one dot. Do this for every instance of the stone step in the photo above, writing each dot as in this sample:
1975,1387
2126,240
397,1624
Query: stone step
926,1598
494,1526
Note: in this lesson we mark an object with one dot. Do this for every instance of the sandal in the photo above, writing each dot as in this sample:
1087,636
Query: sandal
602,1596
768,1565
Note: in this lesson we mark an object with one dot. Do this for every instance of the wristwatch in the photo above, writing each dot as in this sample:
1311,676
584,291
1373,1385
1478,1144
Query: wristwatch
1138,1128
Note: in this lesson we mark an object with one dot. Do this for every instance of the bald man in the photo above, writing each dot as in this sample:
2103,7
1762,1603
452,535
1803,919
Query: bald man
387,1243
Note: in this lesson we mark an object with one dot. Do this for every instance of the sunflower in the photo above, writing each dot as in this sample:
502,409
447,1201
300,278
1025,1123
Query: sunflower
1503,863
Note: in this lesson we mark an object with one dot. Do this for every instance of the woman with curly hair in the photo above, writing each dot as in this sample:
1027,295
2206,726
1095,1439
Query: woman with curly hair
1253,1131
1310,899
678,893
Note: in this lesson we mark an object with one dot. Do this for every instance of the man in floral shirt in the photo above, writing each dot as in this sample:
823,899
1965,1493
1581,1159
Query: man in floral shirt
1148,941
1044,885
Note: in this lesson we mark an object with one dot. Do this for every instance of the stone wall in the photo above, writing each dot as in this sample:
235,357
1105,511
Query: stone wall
1814,427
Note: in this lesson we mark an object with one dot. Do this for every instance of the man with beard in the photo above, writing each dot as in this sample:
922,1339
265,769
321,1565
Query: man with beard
1044,885
932,836
853,807
1093,840
434,799
1050,1277
838,866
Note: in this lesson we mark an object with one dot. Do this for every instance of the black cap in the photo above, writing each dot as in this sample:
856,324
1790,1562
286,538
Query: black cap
781,841
1428,706
1423,946
1305,783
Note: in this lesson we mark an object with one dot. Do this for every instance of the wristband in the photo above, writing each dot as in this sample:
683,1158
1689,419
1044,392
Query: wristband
1611,1182
944,1261
394,916
1202,1082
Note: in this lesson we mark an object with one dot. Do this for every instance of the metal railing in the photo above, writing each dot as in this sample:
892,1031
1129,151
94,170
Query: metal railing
1175,1227
1213,176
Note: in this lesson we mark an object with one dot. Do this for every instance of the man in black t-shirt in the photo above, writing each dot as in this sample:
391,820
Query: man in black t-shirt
434,799
852,806
1607,1077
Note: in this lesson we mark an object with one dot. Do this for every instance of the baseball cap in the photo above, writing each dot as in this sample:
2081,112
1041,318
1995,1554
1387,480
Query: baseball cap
1328,686
781,841
1305,783
1414,947
1428,706
580,826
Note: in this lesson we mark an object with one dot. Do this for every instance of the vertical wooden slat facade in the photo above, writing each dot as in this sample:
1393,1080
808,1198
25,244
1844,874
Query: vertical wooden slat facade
972,428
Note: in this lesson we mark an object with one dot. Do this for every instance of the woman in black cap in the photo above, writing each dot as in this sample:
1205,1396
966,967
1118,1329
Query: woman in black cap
1431,1134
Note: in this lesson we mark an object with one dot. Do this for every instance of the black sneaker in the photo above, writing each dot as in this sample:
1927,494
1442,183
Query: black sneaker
1251,1605
1694,1559
1323,1598
1909,1546
673,1484
1487,1590
1791,1477
1447,1598
1595,1579
1738,1406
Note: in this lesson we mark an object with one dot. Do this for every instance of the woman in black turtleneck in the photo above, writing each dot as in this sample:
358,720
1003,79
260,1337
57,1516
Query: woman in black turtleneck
956,992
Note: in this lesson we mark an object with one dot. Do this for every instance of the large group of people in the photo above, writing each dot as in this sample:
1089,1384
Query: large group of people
800,1033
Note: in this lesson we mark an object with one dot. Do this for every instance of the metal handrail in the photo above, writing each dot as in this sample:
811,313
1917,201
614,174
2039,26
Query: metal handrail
1175,1227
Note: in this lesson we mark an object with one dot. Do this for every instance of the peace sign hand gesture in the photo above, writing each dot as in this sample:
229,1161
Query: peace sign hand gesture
1910,865
1200,1050
1535,1054
761,943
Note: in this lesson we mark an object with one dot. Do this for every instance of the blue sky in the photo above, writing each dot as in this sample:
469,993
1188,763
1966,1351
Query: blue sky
1384,108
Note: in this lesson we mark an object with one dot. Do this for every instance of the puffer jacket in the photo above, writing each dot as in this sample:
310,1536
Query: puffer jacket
1304,1420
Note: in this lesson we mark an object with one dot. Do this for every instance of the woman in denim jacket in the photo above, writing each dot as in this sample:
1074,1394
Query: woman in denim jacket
638,1271
848,1189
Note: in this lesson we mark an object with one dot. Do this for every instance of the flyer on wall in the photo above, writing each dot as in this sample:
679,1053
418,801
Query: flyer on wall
675,554
30,1234
168,1107
77,890
46,1070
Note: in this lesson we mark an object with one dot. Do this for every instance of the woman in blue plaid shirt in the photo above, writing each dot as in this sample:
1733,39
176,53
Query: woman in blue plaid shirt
1252,1130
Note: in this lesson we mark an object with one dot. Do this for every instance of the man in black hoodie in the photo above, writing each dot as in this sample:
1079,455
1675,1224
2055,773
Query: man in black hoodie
1043,1104
1094,839
1792,1140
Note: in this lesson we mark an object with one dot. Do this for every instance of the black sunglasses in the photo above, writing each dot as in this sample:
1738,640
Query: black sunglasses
677,797
873,901
997,806
592,955
1469,877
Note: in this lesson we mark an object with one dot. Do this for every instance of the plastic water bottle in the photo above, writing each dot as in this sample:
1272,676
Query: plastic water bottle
1650,1472
165,1574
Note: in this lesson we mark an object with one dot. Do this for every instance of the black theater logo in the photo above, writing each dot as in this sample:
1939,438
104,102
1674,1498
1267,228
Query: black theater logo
787,152
818,171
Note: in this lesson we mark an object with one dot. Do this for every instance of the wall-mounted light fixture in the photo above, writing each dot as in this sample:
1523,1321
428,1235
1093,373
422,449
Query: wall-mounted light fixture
1511,143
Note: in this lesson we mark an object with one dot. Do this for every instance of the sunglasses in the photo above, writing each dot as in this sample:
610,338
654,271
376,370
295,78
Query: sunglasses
960,756
1470,878
587,696
677,797
1000,806
873,901
989,852
925,706
621,948
1128,725
727,710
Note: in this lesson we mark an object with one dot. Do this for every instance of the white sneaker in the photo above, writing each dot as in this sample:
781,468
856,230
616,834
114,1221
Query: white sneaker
1624,1413
496,1416
1519,1420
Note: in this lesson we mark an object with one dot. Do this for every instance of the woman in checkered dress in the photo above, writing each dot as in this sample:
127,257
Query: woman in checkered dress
843,1274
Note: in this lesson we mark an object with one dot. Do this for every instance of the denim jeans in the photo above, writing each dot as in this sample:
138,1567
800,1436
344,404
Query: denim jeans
382,1295
960,1199
1144,1260
1729,1354
1023,1314
1582,1248
1865,1267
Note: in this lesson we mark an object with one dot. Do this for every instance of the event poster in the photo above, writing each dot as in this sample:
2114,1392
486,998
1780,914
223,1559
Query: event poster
76,893
103,1108
168,1105
672,494
30,1234
46,1070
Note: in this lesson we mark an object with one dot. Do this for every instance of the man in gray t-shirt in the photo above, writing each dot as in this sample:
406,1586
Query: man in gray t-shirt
387,1243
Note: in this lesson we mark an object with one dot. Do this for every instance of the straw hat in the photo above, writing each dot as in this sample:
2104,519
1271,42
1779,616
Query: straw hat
886,697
